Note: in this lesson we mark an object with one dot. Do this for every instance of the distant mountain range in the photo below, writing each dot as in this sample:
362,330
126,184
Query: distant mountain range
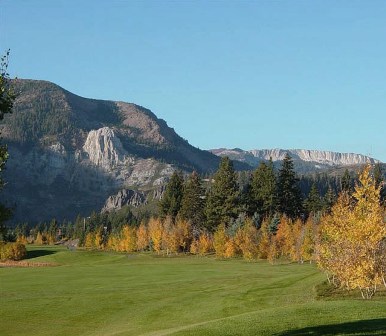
71,155
304,160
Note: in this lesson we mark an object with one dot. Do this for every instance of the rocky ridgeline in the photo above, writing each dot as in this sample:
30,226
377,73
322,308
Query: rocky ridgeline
322,157
316,159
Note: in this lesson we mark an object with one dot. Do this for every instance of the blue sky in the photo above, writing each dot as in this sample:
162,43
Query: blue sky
247,74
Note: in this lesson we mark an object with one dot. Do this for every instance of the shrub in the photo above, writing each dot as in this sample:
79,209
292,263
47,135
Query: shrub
12,251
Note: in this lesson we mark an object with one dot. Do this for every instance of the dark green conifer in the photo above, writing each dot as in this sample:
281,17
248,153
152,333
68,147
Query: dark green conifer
193,201
224,198
170,203
313,203
346,182
264,189
289,196
329,199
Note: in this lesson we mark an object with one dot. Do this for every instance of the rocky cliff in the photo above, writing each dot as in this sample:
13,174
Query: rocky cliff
122,198
68,154
305,160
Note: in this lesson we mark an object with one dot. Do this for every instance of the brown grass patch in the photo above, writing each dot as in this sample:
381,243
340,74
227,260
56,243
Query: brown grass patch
23,263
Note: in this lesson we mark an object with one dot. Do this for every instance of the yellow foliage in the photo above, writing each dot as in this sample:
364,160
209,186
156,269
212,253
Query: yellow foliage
307,249
170,239
274,251
128,240
98,240
194,247
285,243
184,233
220,238
142,237
351,237
39,239
50,239
297,241
12,251
22,239
205,244
113,243
89,240
230,249
155,234
247,238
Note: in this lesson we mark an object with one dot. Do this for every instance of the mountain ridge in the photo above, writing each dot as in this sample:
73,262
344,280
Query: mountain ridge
316,158
68,154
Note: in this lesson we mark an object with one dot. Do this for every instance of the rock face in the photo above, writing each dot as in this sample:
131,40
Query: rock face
68,154
304,159
322,157
104,149
122,198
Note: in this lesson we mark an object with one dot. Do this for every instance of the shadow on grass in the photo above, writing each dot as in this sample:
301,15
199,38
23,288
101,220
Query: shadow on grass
38,253
365,327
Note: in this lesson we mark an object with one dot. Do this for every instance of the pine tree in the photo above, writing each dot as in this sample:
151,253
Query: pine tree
223,199
313,204
379,180
289,196
263,189
329,200
193,201
7,98
346,183
170,203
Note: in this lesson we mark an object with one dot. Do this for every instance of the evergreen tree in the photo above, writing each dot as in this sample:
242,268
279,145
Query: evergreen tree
379,180
7,98
193,201
313,203
378,176
263,189
346,183
329,199
273,224
170,203
223,199
289,196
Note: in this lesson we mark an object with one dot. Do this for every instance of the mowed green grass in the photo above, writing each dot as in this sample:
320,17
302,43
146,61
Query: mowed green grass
99,293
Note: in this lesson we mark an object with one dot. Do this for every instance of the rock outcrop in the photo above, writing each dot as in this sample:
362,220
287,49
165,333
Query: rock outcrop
104,149
305,160
122,198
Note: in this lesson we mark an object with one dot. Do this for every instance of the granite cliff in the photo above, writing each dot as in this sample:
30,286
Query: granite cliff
304,160
68,154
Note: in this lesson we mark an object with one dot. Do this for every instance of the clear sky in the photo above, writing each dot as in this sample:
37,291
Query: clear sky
247,74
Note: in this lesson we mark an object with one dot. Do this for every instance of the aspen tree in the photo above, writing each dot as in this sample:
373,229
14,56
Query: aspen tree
155,234
351,238
220,239
142,237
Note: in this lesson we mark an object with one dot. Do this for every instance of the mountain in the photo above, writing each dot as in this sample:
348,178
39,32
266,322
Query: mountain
68,154
304,160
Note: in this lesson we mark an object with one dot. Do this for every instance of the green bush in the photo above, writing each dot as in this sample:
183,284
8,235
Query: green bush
12,251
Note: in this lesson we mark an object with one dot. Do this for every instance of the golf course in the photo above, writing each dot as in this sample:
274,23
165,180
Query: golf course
100,293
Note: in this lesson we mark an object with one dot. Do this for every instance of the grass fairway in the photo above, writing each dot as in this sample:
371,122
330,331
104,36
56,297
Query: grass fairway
98,293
